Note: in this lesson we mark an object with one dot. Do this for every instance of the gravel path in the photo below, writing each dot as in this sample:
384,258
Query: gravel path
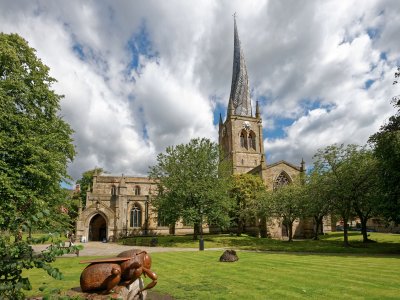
112,249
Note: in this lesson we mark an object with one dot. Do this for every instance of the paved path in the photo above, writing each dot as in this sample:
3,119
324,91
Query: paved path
112,249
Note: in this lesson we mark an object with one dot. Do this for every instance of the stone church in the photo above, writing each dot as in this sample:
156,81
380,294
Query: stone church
120,205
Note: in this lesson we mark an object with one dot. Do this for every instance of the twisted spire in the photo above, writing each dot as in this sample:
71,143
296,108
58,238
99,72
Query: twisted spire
240,95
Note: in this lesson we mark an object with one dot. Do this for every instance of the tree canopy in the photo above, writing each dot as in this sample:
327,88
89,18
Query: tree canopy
386,144
350,178
35,148
286,203
246,192
190,185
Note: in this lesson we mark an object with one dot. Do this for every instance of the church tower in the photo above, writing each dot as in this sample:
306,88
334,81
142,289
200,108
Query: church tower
240,136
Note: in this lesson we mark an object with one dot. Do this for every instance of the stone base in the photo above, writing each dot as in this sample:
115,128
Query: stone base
120,292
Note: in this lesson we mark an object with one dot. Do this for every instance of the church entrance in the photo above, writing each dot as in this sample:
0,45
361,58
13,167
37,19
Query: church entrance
97,228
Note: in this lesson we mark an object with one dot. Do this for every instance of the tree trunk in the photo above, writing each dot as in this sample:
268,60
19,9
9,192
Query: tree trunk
289,227
263,227
364,230
239,227
172,229
196,231
316,227
345,233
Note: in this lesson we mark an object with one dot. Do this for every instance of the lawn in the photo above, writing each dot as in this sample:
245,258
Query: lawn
199,275
329,243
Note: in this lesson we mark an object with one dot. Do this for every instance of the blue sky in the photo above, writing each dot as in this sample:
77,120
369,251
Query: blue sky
140,76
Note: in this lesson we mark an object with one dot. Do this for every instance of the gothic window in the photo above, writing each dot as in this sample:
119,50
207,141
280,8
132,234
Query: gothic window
136,216
281,180
243,142
113,190
137,190
252,140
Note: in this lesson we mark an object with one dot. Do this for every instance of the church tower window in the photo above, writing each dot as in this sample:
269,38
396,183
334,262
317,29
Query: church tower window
136,216
243,142
252,140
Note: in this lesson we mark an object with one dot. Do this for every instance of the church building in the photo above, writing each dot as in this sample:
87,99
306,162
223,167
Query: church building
120,205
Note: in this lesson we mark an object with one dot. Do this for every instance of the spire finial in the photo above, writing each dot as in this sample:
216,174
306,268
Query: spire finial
302,164
257,110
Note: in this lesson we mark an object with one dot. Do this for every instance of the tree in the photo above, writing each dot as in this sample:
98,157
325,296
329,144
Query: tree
190,186
287,203
350,176
246,191
367,188
318,200
386,144
86,183
35,148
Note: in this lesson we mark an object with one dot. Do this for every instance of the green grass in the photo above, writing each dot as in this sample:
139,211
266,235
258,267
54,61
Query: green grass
43,284
199,275
329,243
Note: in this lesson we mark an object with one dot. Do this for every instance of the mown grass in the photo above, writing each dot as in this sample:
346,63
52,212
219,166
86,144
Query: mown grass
329,243
199,275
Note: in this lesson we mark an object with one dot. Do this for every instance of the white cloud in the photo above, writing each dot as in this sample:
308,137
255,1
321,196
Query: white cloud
319,53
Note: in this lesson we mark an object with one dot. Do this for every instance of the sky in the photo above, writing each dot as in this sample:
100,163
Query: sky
139,76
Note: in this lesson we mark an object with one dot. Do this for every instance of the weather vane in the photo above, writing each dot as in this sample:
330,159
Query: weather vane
234,15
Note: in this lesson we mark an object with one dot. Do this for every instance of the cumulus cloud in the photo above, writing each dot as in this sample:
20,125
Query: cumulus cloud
138,77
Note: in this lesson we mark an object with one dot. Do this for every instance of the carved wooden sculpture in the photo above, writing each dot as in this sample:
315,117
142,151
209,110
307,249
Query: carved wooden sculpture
105,274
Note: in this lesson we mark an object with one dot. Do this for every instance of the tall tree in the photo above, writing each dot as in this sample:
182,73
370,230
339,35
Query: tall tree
286,203
190,185
246,191
35,148
367,190
386,144
350,175
318,199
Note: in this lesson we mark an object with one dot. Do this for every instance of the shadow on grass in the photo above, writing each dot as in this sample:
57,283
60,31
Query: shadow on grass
330,243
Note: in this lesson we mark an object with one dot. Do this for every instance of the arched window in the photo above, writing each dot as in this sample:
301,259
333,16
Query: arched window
243,142
252,140
136,216
281,180
137,190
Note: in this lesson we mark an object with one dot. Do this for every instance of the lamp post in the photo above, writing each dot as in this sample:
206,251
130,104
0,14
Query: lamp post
201,241
146,216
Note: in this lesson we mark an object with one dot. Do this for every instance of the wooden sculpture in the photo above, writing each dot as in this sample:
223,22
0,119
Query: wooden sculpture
105,274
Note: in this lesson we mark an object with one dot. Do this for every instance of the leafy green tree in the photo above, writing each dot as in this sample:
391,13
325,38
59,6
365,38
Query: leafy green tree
246,191
190,185
350,176
318,199
368,194
386,144
286,203
86,183
35,148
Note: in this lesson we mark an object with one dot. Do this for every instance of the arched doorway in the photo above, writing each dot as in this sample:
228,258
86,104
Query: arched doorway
97,228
